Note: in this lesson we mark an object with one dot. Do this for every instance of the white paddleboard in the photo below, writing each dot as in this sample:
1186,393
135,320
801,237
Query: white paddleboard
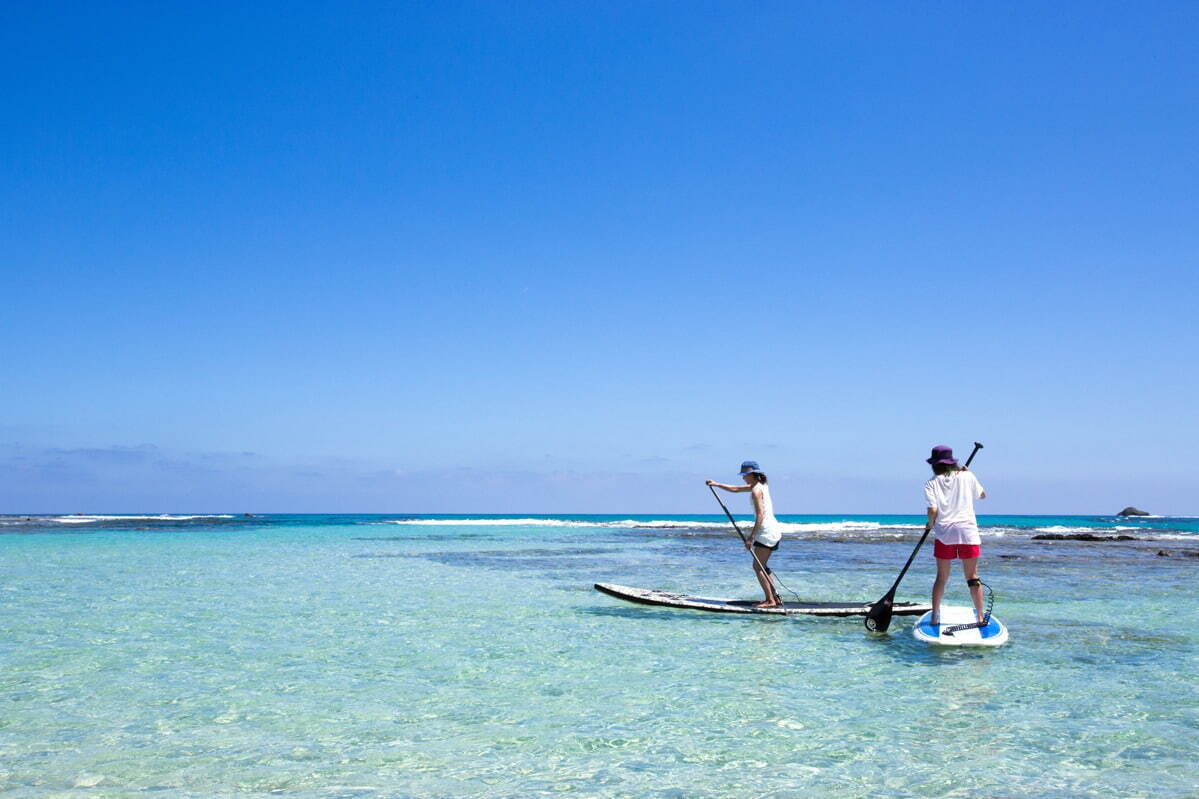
994,634
668,599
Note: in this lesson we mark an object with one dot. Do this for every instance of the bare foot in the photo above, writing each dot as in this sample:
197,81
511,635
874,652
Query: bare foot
768,604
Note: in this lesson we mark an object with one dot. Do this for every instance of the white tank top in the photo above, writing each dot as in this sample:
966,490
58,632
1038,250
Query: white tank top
769,533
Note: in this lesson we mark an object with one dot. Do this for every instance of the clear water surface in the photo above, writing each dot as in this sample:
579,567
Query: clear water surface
390,656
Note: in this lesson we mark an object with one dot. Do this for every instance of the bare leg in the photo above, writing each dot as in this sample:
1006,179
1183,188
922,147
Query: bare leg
943,566
970,569
762,557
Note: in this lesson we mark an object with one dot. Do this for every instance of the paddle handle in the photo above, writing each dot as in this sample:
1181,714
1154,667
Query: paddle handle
977,447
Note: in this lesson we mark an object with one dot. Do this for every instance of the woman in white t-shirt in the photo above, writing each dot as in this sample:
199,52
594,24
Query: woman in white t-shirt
950,496
764,539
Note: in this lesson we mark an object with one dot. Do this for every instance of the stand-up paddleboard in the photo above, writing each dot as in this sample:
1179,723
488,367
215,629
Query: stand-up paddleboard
666,599
994,634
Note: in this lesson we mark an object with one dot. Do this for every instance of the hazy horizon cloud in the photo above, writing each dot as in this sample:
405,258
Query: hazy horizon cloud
148,478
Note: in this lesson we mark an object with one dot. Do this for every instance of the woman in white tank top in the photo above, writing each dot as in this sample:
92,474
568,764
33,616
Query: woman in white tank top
765,537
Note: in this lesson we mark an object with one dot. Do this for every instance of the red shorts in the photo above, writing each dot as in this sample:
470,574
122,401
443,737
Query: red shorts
951,551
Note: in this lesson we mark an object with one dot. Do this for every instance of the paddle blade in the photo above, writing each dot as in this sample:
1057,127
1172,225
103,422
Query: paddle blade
879,617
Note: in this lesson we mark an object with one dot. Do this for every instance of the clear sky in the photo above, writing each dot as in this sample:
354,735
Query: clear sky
556,257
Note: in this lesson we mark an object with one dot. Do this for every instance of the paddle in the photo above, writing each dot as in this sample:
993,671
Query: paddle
745,540
733,521
879,617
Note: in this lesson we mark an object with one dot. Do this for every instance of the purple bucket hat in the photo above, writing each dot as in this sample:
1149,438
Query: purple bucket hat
942,455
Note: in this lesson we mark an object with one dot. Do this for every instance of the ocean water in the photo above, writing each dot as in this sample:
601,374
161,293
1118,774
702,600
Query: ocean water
390,656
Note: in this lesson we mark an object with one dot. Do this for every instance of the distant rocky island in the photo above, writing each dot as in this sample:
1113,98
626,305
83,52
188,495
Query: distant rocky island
1132,511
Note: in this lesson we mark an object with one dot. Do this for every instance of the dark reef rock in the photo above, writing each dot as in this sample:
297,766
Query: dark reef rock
1131,511
1082,537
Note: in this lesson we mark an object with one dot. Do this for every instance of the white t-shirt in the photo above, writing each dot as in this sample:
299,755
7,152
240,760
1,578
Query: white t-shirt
953,495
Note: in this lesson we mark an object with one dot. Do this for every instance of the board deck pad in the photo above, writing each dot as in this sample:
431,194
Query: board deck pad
994,634
648,596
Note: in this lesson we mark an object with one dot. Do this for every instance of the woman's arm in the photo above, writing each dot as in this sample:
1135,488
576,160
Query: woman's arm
982,494
932,518
733,489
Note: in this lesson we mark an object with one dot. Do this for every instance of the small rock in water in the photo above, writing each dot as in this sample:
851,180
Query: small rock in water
1133,511
1082,537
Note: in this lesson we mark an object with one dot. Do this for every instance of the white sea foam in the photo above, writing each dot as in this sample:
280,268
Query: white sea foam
845,527
842,529
1059,528
629,524
797,528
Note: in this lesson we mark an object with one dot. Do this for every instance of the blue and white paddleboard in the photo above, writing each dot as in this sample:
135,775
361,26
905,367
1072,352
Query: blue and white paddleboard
994,634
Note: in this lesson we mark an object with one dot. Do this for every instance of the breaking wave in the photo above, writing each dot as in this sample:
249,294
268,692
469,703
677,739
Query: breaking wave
833,528
840,528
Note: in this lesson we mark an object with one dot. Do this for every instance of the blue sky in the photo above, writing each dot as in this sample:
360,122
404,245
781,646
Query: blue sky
579,256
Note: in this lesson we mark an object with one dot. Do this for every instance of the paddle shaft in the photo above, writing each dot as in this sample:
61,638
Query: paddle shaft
726,513
744,540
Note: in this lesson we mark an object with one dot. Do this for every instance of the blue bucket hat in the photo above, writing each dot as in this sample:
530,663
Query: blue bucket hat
750,467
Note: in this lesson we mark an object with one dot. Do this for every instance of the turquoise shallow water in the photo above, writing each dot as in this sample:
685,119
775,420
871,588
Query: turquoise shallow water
459,657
